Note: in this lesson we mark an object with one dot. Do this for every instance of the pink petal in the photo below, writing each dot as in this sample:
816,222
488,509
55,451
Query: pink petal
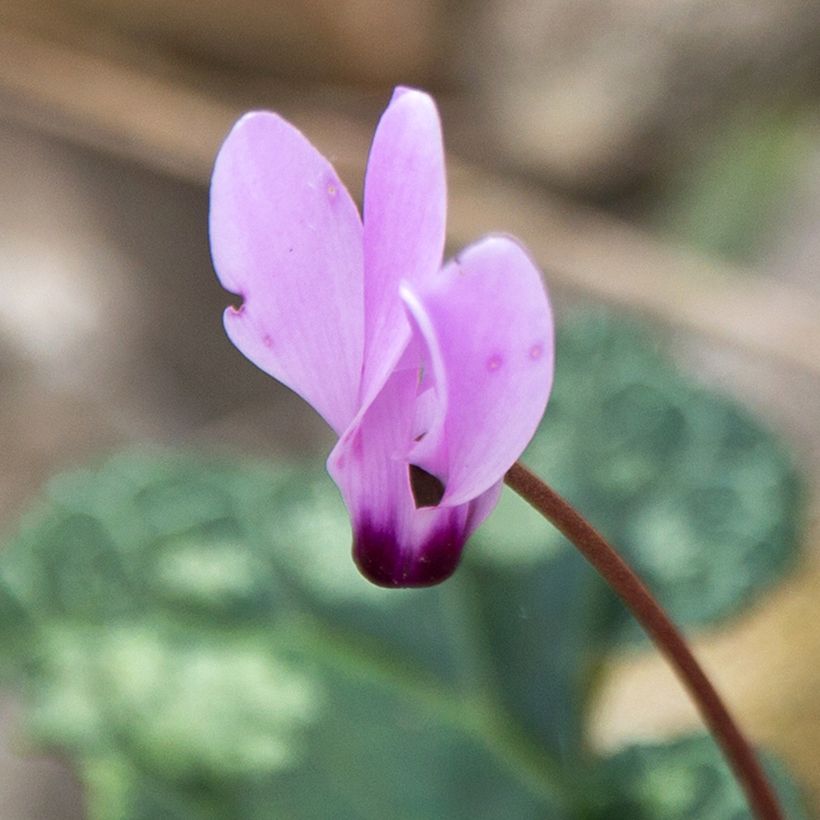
487,322
287,238
405,210
394,543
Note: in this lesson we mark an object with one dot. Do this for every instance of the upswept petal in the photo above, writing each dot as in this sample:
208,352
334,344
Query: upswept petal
287,238
405,207
487,322
395,543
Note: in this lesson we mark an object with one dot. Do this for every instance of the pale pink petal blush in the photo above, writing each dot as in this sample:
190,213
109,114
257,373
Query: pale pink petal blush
488,324
286,237
405,202
434,378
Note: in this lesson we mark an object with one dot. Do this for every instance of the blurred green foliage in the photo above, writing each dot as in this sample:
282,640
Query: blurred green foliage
728,201
700,497
195,637
681,779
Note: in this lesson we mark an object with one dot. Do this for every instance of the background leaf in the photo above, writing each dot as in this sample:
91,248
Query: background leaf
226,671
695,492
194,636
680,780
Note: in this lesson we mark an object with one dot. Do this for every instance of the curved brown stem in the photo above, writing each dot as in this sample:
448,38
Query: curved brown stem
618,574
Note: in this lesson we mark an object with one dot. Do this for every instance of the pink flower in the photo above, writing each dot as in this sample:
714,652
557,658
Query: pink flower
434,378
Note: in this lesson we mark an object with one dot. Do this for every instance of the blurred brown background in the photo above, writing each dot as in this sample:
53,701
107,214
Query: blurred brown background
660,156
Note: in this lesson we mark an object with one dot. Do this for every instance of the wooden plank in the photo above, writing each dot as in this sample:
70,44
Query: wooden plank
167,125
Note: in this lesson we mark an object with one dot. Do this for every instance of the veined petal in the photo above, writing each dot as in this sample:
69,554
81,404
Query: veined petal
405,196
287,238
396,544
487,323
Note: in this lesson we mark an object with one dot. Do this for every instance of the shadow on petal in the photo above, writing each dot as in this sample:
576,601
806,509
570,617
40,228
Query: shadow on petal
427,489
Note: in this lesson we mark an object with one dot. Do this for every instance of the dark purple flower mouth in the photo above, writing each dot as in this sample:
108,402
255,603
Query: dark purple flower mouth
382,559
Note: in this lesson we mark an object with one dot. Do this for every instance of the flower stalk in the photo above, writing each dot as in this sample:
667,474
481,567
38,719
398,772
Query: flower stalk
668,639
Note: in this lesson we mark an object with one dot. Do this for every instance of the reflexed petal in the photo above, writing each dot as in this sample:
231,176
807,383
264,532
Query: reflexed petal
404,224
287,238
394,543
487,323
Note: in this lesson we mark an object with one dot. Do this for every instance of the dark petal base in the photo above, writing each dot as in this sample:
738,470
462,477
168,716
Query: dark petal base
380,558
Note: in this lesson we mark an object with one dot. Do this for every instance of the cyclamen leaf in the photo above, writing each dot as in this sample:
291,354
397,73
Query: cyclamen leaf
680,780
700,497
466,700
238,684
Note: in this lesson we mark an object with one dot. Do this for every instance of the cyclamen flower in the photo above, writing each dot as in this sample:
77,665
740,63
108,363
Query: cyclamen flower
434,378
